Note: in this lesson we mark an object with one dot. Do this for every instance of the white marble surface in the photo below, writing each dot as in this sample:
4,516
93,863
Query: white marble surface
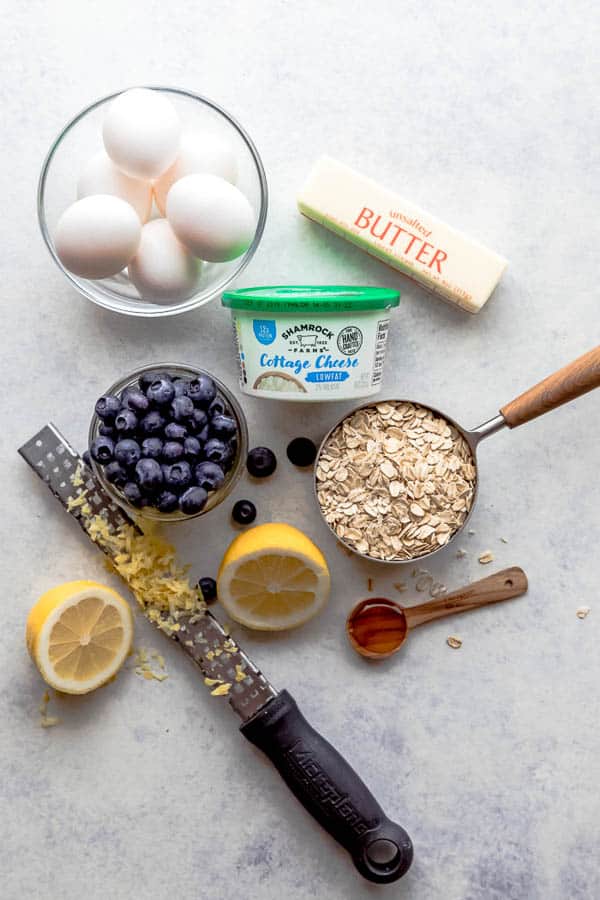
488,755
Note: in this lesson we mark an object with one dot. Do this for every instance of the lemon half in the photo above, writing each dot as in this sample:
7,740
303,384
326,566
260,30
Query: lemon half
273,577
79,635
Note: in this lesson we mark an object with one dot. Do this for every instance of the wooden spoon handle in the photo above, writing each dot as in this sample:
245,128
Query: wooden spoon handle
502,586
572,381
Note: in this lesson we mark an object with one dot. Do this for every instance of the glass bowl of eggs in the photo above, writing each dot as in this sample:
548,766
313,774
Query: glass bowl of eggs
151,201
168,442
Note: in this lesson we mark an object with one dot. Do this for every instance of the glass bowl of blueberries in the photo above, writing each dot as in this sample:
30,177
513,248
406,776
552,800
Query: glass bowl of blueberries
168,442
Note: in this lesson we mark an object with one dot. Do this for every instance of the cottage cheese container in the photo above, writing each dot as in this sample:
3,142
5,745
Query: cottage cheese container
311,343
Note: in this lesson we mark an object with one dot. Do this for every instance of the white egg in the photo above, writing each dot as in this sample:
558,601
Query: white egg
211,217
163,269
141,132
101,176
97,236
198,153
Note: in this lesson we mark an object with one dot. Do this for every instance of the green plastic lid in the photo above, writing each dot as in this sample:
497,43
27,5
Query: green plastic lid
297,298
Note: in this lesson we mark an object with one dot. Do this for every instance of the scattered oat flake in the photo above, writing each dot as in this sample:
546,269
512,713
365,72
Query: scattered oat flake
221,690
47,721
471,532
504,540
454,642
486,557
460,554
399,586
582,612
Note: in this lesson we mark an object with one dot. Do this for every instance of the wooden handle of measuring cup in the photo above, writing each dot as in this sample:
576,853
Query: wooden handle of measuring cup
502,585
572,381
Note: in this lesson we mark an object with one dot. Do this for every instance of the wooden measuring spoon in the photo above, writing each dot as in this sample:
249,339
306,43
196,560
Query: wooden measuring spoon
378,627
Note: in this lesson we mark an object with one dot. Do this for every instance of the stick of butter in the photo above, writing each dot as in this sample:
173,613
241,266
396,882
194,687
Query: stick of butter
400,234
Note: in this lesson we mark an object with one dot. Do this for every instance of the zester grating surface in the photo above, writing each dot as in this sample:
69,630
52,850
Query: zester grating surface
201,635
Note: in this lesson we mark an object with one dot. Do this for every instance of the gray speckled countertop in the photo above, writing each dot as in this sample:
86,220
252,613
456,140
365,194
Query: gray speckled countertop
489,754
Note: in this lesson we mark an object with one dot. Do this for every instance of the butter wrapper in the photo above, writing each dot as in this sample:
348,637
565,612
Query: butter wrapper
442,259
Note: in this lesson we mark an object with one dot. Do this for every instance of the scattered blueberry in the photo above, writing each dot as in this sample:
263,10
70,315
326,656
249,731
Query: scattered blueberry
133,494
261,462
135,399
182,409
152,424
223,426
301,452
178,476
243,512
107,407
217,451
217,408
175,432
128,452
208,589
102,450
209,475
146,380
106,430
126,421
202,390
192,449
115,474
193,501
87,459
167,502
152,448
161,391
181,386
149,475
172,451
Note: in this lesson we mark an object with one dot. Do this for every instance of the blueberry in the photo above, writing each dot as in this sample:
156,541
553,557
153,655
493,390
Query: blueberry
133,494
152,448
102,450
208,589
217,408
261,462
116,474
87,459
152,424
126,421
209,475
243,512
175,432
192,449
182,386
301,452
216,451
135,399
178,476
172,451
202,435
193,501
182,409
202,390
223,426
149,475
167,502
128,452
146,380
107,407
198,420
106,430
161,391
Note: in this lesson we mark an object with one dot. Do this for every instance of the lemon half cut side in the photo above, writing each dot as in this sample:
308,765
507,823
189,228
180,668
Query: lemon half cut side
79,635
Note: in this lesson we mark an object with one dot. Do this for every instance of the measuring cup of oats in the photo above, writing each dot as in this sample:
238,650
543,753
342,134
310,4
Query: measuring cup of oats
397,481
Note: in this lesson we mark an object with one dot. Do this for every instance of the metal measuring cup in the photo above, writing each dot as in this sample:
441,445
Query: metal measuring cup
572,381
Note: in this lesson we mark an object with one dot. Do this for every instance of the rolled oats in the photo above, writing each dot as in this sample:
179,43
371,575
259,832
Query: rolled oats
395,480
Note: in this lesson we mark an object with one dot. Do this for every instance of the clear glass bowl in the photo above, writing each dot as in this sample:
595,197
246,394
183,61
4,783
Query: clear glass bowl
177,370
82,137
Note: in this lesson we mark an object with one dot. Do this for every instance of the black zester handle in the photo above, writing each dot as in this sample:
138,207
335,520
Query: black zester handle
330,790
